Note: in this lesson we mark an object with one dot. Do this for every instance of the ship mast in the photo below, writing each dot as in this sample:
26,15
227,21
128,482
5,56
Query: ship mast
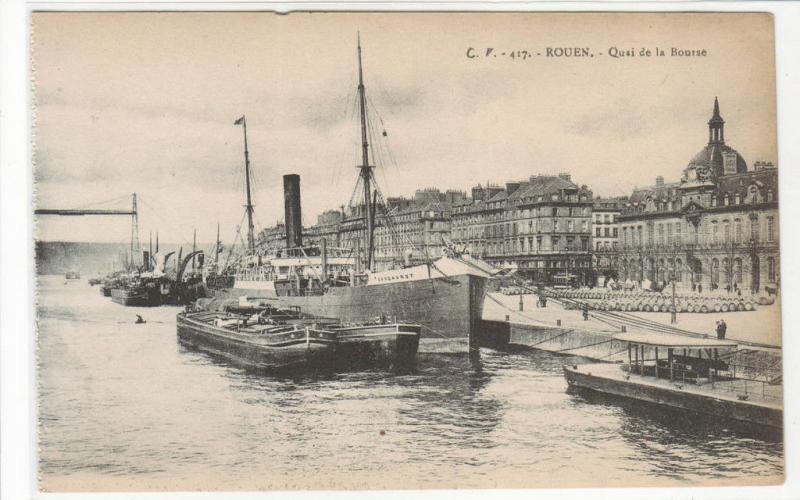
366,168
249,207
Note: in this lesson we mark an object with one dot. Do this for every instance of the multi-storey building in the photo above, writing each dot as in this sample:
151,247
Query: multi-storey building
717,228
540,226
605,237
407,230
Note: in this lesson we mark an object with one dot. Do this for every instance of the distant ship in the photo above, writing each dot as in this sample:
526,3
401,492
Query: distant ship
444,296
72,275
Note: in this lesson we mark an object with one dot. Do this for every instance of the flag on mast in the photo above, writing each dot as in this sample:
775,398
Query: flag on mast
239,121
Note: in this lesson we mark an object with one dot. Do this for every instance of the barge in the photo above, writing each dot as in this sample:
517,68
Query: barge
269,338
259,346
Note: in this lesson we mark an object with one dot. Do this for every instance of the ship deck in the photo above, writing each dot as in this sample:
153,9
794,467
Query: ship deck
758,393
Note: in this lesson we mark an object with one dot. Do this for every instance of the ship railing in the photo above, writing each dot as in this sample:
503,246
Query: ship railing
724,380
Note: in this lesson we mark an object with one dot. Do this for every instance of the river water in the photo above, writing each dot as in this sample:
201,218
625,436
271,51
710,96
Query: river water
126,407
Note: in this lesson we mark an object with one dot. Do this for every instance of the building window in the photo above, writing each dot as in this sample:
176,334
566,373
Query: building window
738,198
555,243
727,199
769,195
770,228
713,201
737,232
754,229
771,268
597,232
555,225
570,226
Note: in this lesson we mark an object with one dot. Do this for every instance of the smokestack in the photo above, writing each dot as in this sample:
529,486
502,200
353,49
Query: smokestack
294,220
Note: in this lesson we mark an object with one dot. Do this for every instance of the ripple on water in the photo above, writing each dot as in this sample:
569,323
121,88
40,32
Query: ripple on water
127,401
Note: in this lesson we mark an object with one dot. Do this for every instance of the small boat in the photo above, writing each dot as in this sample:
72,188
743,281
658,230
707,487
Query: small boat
95,281
693,377
258,345
73,275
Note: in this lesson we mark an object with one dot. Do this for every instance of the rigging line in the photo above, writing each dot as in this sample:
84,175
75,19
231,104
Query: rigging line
126,197
385,143
168,224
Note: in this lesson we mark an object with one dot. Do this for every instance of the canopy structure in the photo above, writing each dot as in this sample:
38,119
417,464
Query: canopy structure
673,341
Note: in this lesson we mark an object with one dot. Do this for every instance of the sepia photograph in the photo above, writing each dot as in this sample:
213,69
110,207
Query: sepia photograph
395,250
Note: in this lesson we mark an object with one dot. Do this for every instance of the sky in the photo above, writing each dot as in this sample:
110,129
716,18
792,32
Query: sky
146,103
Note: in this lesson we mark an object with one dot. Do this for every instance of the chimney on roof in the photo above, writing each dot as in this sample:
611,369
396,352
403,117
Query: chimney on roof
511,187
659,180
566,176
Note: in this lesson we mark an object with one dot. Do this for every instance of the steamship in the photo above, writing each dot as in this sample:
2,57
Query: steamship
444,296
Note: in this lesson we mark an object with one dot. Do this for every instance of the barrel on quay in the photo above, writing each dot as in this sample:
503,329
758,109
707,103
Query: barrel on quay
693,376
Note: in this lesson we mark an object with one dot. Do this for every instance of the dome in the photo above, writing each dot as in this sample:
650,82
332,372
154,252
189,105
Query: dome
713,157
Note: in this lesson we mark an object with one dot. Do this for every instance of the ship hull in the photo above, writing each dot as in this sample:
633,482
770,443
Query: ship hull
312,350
449,309
390,345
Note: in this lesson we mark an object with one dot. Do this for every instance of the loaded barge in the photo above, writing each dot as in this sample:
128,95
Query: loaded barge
268,338
693,377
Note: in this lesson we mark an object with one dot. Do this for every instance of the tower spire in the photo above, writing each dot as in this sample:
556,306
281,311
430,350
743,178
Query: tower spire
716,126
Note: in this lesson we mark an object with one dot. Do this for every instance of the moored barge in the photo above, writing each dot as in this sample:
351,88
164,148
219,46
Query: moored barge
256,345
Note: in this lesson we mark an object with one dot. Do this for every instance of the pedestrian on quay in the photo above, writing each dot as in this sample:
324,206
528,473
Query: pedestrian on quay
585,308
722,328
699,288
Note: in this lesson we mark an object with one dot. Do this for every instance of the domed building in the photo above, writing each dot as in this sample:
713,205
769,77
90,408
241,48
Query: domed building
716,159
716,229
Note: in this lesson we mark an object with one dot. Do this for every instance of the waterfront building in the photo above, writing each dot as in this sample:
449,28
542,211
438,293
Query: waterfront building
716,228
540,227
605,237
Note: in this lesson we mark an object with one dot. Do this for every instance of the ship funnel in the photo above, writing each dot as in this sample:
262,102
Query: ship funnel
294,220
